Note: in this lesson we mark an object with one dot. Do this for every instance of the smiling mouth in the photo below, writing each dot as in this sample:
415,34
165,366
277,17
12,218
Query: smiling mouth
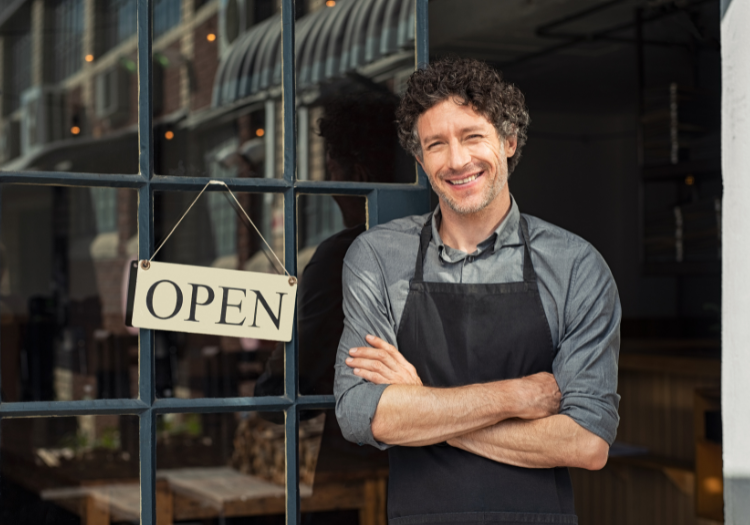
466,180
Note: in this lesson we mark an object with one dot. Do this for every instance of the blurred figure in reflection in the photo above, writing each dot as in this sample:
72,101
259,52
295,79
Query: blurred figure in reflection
361,146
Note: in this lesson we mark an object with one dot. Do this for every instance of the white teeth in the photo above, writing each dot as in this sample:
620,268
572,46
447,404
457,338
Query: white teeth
463,181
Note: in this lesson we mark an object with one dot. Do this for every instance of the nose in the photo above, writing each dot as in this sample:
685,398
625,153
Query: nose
459,155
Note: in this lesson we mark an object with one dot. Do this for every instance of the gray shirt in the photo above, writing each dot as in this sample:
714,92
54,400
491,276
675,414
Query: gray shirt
578,294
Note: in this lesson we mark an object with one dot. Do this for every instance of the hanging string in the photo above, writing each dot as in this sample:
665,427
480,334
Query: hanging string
147,264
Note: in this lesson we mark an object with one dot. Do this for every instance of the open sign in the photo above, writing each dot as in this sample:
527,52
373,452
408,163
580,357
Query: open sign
215,301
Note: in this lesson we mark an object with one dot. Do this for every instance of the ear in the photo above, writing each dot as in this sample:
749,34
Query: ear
511,143
421,163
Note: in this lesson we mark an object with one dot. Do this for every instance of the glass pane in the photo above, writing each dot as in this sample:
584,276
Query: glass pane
353,60
217,91
327,227
70,470
213,467
65,254
214,234
348,481
69,86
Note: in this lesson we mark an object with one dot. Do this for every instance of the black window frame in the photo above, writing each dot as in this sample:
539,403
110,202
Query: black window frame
384,202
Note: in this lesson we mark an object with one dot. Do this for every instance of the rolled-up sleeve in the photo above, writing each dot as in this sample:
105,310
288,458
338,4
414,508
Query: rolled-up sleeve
366,311
586,362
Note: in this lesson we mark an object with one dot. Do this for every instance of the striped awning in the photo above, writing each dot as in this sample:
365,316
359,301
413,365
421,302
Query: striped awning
329,43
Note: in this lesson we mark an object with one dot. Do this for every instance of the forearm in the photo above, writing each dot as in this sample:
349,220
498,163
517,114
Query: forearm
555,441
417,416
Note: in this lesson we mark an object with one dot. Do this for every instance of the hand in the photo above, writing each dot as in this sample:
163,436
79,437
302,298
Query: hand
538,396
382,364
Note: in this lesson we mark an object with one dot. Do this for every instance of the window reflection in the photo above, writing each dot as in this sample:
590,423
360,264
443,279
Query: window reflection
64,261
228,85
219,466
327,227
68,99
70,470
212,467
215,233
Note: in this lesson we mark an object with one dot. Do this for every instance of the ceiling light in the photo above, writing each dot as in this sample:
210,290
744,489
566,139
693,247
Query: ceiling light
331,3
169,135
210,37
75,130
89,58
260,132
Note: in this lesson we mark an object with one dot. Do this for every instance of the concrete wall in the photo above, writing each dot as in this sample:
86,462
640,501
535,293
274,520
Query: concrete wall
735,43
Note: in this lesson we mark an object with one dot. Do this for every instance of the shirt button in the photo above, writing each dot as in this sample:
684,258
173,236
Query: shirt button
360,444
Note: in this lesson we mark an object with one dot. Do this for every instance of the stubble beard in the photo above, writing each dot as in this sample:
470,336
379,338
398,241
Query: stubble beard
490,192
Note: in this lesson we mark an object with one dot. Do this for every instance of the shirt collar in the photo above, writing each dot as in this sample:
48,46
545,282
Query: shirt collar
506,234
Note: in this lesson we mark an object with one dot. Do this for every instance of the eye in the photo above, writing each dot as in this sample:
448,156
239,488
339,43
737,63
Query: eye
475,136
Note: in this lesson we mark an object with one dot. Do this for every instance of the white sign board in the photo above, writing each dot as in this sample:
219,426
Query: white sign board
215,301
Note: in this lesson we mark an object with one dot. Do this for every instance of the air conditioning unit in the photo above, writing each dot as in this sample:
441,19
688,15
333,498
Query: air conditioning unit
10,140
113,94
43,117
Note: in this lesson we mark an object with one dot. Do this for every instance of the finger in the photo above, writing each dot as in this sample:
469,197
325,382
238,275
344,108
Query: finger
379,343
392,350
378,355
371,365
372,377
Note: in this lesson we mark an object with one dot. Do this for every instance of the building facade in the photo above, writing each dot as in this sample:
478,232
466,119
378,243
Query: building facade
114,116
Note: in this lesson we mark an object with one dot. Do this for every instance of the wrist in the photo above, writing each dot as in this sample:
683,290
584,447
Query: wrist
507,399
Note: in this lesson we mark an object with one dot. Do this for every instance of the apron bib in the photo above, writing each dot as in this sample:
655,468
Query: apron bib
460,334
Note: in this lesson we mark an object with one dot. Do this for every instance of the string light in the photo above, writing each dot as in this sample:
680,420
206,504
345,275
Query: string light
210,37
89,58
169,135
75,130
331,3
260,132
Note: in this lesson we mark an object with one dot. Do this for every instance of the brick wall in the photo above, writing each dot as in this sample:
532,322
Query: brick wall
172,79
205,63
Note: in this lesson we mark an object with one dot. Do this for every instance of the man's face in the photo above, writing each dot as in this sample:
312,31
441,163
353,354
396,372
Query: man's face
463,155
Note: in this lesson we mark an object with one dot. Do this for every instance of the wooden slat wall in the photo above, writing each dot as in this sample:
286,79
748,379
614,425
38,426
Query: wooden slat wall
656,412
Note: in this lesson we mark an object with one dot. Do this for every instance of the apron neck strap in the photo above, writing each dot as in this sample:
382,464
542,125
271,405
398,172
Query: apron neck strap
529,275
424,242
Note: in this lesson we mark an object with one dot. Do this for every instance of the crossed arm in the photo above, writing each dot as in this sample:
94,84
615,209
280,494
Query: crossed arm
513,421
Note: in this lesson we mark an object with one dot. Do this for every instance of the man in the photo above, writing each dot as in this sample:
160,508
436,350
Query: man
460,325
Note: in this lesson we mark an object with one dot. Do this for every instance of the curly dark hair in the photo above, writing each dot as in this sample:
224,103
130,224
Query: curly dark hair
470,82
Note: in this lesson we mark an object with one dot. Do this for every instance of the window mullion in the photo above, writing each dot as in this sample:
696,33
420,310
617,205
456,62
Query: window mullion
290,255
147,433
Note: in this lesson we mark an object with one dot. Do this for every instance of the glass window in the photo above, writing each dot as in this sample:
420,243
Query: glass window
222,466
119,25
353,58
67,39
216,234
65,254
70,470
166,15
68,236
328,226
18,63
69,87
240,38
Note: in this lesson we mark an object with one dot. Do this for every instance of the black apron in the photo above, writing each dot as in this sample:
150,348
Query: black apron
461,334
